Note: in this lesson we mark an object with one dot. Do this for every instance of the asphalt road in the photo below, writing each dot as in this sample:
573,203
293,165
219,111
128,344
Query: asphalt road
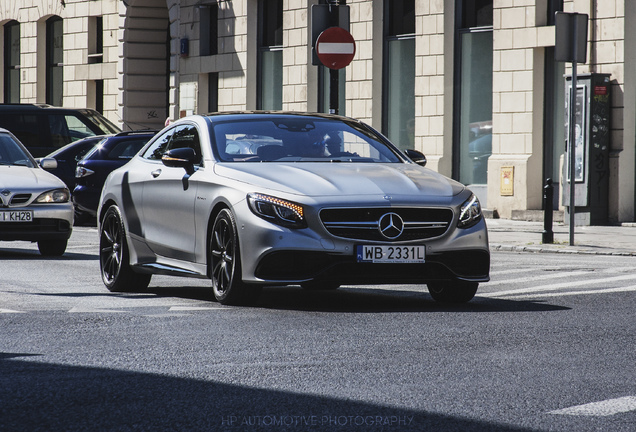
547,345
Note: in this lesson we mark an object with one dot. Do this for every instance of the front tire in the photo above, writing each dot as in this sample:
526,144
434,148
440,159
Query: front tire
114,258
52,247
453,292
225,263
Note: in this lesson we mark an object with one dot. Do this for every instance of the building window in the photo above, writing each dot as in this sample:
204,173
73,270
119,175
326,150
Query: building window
95,39
96,95
270,62
208,29
54,59
399,73
12,62
213,92
473,98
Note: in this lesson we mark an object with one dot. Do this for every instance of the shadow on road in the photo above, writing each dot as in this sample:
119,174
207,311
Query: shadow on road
360,300
43,396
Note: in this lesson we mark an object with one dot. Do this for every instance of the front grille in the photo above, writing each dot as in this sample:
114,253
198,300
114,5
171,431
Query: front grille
364,223
19,199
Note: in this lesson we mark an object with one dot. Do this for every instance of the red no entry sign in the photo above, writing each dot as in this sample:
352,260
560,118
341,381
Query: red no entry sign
335,47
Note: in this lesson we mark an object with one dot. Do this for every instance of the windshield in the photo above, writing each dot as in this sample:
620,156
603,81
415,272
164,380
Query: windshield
298,139
11,153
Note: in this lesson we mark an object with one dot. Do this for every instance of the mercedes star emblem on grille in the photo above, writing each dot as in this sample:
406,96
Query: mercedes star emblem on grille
391,225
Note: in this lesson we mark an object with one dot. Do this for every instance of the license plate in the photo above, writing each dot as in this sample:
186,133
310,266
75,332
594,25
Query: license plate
16,216
391,254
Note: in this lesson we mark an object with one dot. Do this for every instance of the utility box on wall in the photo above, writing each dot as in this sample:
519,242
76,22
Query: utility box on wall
592,144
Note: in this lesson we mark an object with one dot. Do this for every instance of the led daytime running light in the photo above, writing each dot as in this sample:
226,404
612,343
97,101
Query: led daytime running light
277,201
277,210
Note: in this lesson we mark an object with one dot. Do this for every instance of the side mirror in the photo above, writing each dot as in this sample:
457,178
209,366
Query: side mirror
180,158
47,163
416,156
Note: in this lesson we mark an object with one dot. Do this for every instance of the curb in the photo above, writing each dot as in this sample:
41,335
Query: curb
494,247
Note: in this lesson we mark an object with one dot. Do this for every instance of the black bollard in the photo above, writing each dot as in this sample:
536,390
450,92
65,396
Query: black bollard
548,193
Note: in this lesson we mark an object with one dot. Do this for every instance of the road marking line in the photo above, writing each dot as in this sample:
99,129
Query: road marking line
93,310
537,278
196,308
604,408
10,311
555,287
571,293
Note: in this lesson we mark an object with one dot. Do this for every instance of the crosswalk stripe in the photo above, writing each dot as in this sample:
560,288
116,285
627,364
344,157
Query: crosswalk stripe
93,310
554,287
571,293
538,278
10,311
603,408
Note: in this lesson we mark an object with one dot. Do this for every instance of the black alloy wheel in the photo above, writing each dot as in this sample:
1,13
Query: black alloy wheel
225,263
114,263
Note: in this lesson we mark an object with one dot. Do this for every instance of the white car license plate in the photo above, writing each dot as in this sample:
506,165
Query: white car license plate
16,216
391,254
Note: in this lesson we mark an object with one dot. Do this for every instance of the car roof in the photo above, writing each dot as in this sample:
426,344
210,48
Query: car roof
259,114
39,107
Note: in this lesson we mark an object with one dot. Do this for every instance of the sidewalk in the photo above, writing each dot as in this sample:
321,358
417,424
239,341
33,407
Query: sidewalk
520,236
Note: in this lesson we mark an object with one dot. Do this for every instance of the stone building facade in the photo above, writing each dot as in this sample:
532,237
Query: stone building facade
472,84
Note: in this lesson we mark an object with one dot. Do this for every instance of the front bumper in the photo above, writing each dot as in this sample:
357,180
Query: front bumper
294,266
50,222
274,255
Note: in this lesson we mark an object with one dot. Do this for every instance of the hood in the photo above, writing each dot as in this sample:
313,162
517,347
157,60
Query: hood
353,179
21,178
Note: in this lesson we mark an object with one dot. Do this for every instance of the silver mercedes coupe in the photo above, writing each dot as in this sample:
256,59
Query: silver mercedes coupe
257,199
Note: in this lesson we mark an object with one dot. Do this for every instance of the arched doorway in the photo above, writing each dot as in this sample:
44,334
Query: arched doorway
145,66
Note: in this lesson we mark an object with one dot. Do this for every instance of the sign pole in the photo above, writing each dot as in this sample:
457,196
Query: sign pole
571,45
334,74
334,85
572,139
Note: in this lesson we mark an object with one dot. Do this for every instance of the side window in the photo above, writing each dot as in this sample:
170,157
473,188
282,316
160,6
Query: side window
65,129
159,146
77,128
126,149
186,136
23,126
58,129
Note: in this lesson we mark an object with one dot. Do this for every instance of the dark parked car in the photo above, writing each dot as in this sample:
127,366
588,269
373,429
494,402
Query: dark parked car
327,201
91,172
68,156
44,128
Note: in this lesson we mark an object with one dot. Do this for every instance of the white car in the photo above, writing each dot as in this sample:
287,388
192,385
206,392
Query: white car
35,205
306,199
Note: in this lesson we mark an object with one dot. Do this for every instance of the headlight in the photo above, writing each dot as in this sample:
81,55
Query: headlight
54,196
276,210
470,213
80,172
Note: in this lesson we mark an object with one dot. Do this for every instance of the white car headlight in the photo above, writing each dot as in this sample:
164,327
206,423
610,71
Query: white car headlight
469,213
54,196
276,210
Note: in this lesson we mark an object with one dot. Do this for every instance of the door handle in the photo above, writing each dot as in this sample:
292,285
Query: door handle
156,173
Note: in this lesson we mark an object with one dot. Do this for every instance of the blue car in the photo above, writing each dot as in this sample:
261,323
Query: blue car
68,156
91,172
